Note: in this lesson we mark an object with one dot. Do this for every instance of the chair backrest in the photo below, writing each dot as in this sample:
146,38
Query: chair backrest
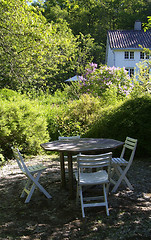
131,144
20,160
94,162
69,138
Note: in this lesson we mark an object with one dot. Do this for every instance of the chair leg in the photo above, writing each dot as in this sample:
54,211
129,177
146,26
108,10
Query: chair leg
105,199
107,189
32,189
125,178
77,194
34,185
25,190
122,175
38,185
30,193
82,204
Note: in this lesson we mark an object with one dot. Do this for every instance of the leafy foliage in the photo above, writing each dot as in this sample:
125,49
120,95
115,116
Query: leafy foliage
147,25
130,118
22,123
144,76
33,52
28,122
142,79
73,117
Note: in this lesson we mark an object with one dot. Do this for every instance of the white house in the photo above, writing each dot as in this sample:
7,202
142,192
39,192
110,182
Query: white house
123,47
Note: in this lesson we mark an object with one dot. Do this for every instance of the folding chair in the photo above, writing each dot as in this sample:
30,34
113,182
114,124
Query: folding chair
86,176
121,166
33,174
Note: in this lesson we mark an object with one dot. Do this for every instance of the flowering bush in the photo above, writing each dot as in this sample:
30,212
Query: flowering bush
102,80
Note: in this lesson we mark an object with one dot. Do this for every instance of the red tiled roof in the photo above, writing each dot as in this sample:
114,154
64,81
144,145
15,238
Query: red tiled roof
129,39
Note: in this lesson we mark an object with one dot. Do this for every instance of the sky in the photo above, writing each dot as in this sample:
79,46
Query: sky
29,2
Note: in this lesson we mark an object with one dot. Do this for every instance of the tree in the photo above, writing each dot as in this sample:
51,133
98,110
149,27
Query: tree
148,24
95,17
144,73
32,50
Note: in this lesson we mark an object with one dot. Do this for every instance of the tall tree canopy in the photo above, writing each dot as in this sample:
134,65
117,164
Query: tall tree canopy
32,51
95,17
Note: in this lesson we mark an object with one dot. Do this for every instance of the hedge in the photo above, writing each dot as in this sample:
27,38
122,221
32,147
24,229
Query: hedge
132,118
22,123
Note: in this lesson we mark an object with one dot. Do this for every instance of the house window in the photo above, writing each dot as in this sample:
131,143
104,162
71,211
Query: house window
130,71
147,56
126,55
144,56
129,55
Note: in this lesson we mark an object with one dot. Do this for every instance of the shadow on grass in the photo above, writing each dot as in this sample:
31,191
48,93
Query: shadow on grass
60,218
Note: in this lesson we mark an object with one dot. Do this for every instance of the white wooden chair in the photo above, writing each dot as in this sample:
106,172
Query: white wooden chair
69,138
33,174
121,165
85,176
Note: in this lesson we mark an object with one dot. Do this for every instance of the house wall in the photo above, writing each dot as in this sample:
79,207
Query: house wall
110,61
120,61
117,58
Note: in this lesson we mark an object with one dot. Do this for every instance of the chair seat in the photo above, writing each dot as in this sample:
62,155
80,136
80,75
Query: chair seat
119,161
92,178
35,168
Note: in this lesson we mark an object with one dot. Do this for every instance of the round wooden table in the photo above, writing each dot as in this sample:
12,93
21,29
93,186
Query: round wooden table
82,145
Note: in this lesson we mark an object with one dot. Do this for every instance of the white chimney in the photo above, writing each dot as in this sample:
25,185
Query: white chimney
137,25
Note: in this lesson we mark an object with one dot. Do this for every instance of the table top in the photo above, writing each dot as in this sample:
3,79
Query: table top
82,145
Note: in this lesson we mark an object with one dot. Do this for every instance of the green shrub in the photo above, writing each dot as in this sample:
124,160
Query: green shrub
26,122
22,123
73,117
54,113
8,94
131,118
73,90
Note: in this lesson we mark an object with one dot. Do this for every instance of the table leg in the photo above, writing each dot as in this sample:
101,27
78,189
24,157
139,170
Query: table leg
62,166
70,169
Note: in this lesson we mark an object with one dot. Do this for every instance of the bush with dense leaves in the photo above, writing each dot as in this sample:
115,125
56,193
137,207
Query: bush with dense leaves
131,118
73,117
27,122
22,123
